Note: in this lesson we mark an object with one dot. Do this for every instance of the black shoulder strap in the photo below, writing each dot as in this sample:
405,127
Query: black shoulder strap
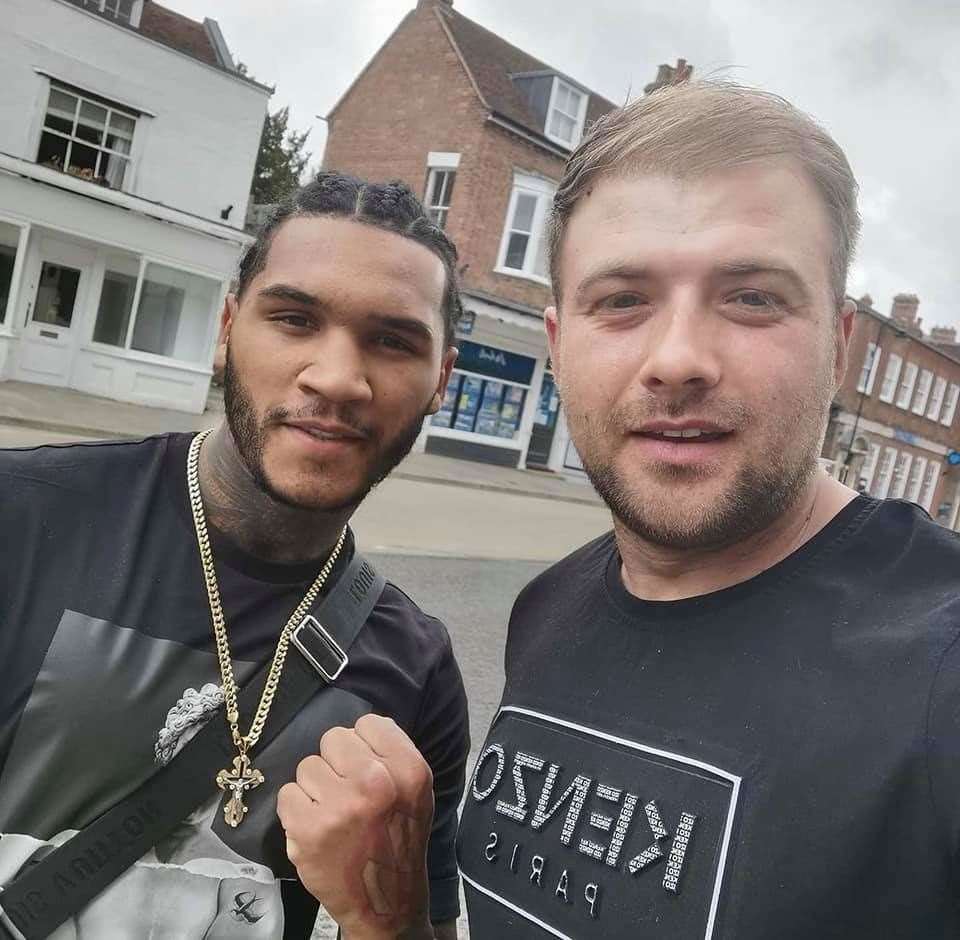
66,879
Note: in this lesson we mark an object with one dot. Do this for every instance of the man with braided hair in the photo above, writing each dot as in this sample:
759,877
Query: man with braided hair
119,639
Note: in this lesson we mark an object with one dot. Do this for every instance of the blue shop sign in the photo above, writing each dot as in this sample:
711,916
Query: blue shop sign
497,363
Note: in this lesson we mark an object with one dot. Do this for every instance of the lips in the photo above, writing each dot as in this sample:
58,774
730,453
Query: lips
693,435
327,430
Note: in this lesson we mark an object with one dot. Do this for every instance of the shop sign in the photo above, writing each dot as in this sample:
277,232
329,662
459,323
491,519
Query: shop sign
497,363
466,323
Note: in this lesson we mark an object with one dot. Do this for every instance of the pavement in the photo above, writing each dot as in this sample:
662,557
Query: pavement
56,415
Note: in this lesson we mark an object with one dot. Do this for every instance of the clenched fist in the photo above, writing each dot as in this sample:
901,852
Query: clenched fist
357,822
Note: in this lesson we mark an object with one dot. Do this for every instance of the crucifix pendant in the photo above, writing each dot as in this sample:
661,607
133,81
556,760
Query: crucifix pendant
243,777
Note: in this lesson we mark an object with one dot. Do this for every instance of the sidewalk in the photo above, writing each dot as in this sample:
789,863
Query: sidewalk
64,411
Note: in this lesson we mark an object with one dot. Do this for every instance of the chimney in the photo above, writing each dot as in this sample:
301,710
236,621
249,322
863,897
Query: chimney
904,310
943,334
670,75
866,301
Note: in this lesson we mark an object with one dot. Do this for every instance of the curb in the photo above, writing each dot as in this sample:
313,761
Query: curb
59,428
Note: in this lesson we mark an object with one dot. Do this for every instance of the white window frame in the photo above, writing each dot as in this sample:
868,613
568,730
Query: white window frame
868,372
901,472
908,381
915,482
936,398
578,118
869,468
439,211
950,408
929,487
923,392
885,477
891,377
7,316
543,190
71,139
111,7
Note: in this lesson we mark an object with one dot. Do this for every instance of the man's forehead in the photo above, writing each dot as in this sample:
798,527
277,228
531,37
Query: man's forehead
314,251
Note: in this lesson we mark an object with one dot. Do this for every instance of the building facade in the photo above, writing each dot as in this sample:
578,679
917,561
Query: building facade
481,130
894,430
127,146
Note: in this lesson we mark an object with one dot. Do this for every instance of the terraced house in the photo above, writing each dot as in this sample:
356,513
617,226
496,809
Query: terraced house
127,145
481,130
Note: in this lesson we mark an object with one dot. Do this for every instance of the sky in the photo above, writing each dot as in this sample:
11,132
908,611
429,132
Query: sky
882,76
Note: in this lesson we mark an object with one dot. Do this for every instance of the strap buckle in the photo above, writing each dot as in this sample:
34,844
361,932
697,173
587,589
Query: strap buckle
319,648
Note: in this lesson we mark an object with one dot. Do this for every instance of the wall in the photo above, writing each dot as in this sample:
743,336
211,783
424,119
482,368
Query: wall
197,154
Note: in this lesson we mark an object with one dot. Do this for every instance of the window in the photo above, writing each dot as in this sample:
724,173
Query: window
869,467
929,484
119,9
116,299
890,377
565,114
936,399
86,138
523,249
868,373
482,406
173,315
439,193
949,410
900,471
907,381
886,472
915,481
923,392
9,245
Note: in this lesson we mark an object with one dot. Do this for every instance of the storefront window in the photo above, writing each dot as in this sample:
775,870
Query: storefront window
116,299
481,406
9,240
174,313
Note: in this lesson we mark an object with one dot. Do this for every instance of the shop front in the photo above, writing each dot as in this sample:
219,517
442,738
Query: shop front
95,298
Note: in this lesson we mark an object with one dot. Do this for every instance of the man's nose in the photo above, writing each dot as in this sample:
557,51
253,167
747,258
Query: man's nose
681,350
336,369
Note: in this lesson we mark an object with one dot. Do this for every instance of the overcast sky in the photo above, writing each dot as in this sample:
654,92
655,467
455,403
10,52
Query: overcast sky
883,76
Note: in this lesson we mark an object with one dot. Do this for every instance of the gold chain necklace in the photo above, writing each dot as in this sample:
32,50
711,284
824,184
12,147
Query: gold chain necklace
243,776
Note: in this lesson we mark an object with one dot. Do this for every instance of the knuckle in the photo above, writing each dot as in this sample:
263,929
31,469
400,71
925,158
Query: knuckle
372,722
376,786
309,769
334,737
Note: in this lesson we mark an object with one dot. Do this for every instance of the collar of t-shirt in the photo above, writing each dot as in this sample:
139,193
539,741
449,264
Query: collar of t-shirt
848,520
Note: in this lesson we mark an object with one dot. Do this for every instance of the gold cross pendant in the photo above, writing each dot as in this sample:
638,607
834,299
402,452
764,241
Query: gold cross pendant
243,777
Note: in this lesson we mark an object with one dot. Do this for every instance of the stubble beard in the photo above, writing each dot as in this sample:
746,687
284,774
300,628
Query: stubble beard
249,434
668,515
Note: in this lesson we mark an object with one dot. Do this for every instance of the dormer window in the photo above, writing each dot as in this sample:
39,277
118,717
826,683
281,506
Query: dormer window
566,114
126,11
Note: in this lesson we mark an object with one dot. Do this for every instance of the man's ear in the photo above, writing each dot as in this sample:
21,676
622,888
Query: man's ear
446,367
847,316
551,323
226,323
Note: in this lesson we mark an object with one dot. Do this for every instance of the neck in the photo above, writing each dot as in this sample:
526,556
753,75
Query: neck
236,505
653,572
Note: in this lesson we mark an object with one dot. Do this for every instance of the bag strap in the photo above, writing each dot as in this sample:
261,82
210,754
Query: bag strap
58,886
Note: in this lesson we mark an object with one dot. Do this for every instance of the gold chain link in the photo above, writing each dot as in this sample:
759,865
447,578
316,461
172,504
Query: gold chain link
243,742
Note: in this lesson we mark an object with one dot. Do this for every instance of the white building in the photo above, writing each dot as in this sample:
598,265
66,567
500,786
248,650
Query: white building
127,147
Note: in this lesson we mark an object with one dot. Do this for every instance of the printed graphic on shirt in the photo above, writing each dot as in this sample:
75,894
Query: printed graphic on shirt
109,707
589,835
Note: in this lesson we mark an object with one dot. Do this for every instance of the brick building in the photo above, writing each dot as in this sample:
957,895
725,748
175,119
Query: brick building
895,421
481,129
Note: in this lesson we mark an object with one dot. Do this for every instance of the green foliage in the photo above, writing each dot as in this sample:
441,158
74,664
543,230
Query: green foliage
281,160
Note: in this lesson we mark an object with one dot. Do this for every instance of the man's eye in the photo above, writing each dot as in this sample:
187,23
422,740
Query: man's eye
297,320
757,299
395,342
624,301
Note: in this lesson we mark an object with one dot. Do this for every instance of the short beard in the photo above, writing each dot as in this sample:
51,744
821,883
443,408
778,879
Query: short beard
249,435
758,496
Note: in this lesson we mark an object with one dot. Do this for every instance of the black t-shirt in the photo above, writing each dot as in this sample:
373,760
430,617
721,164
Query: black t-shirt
107,663
780,759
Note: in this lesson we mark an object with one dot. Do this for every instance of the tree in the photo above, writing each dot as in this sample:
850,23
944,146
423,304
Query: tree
281,160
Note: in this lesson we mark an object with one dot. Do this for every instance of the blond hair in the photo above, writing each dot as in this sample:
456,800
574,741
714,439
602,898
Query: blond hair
691,129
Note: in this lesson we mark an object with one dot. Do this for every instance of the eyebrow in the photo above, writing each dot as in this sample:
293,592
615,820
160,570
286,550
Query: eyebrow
293,294
741,268
410,325
634,272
